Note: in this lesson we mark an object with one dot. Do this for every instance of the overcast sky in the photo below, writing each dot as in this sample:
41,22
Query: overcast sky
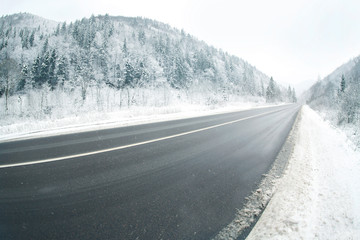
291,40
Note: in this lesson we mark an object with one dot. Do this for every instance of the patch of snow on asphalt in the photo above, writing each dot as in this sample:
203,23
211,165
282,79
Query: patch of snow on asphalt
318,197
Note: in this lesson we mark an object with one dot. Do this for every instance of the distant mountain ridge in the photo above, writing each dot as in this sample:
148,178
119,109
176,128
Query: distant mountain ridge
27,20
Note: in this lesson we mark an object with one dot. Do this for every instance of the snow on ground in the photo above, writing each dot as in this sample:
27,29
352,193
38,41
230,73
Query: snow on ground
318,196
95,120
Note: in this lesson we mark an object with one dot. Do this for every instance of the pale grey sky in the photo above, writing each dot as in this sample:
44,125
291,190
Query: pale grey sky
291,40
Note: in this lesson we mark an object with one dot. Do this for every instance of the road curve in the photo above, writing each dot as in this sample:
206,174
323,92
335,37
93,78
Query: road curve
181,179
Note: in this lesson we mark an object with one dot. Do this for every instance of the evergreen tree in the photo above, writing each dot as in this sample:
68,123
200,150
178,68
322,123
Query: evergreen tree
142,37
294,99
63,28
102,61
270,91
181,73
24,39
76,32
342,84
52,80
290,95
248,80
45,46
32,38
44,70
57,32
125,49
23,77
62,72
129,75
36,72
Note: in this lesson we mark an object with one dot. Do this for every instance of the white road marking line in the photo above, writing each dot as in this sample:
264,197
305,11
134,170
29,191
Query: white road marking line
130,145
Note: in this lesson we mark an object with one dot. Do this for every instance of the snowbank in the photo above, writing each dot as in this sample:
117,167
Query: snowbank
20,128
318,197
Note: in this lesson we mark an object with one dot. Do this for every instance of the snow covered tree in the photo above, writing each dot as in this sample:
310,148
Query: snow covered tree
142,37
62,74
52,80
9,73
342,84
63,29
57,32
44,69
32,39
24,35
181,73
262,90
125,48
36,73
270,91
294,98
45,46
289,94
84,77
24,77
129,75
248,80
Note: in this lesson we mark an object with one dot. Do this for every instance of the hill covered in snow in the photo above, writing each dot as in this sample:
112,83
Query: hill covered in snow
105,63
337,97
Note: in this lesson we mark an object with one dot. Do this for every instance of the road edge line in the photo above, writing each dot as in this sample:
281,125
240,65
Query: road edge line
247,217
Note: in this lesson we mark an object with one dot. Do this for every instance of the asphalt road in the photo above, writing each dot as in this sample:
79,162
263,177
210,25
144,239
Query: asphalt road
180,179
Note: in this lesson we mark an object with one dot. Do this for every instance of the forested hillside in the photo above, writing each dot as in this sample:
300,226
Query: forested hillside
338,97
106,63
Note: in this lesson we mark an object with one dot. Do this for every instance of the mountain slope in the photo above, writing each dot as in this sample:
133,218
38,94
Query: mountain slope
338,97
106,63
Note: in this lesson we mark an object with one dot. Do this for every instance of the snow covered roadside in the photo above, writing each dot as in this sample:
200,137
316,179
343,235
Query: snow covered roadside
318,196
30,128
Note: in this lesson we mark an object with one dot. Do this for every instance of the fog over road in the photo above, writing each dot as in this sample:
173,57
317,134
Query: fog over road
181,179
